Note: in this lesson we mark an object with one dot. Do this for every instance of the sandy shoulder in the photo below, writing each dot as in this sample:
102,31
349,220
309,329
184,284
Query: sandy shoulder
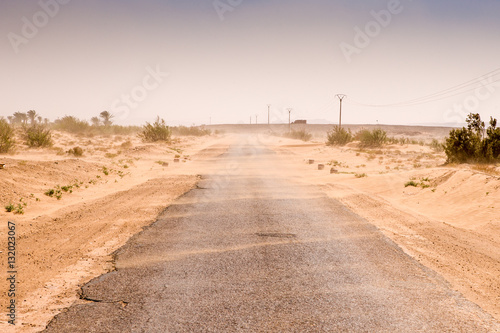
448,222
119,186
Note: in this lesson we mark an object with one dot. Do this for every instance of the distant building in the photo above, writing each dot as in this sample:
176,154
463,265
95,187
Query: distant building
300,122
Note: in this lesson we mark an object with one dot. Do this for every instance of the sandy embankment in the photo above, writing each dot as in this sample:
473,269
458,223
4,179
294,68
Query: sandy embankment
449,222
119,186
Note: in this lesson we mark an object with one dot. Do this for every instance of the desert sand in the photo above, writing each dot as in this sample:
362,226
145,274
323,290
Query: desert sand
117,187
448,222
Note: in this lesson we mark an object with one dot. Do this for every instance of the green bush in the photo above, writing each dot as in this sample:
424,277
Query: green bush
6,136
10,207
71,124
37,135
158,131
411,183
490,147
469,144
339,136
299,135
374,138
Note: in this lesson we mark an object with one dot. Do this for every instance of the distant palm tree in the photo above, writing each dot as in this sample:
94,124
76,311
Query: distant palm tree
32,116
106,118
95,121
20,118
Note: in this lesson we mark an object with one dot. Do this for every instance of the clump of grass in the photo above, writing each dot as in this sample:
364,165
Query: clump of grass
126,145
436,145
76,151
374,138
158,131
299,135
360,175
16,209
339,136
401,141
191,131
10,207
67,188
105,171
37,135
424,183
57,193
7,140
411,183
19,209
110,155
50,192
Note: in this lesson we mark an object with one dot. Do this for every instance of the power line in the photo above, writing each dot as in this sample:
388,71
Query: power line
440,95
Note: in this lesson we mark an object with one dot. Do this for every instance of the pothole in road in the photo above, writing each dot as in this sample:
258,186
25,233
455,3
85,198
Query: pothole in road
275,234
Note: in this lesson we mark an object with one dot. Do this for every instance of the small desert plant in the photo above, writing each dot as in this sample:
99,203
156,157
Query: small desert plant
37,135
299,135
50,192
360,175
339,136
374,138
19,209
10,207
158,131
54,192
436,146
105,171
6,136
76,151
411,183
423,183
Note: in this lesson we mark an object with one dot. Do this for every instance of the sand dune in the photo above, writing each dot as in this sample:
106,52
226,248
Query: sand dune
449,221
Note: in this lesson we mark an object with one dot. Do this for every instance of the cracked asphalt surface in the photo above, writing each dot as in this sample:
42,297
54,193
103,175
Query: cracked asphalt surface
250,250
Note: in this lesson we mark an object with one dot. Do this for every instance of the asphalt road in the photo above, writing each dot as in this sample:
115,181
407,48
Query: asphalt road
250,250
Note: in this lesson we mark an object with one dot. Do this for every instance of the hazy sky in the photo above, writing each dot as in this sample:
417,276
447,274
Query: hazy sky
188,61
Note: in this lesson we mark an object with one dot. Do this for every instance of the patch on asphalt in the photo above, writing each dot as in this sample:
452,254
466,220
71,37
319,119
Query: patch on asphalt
275,234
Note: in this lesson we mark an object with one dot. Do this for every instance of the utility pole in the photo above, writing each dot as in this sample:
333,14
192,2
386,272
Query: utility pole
289,123
256,119
340,97
268,112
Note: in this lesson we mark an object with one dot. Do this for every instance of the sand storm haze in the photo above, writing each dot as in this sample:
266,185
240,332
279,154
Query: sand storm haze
191,138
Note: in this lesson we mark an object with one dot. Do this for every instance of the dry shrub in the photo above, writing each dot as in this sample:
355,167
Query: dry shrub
158,131
6,136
